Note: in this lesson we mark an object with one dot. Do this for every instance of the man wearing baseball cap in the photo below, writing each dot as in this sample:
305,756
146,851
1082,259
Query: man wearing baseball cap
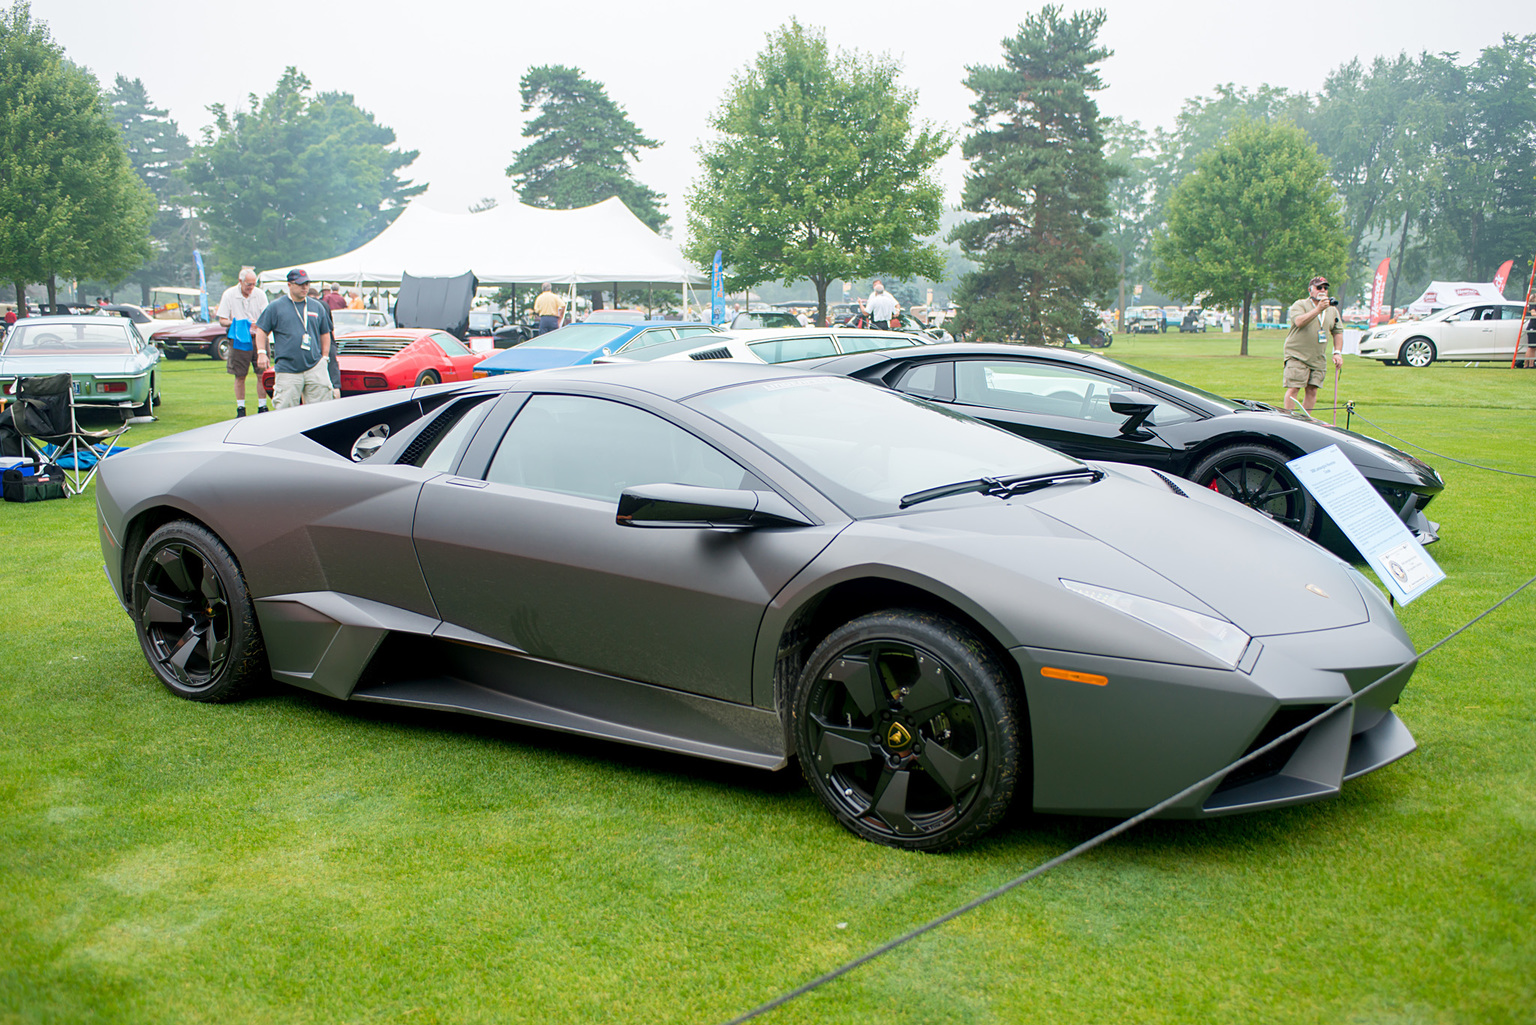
294,333
1313,320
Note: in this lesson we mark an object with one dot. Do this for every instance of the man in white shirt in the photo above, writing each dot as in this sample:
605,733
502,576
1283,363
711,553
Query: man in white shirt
239,308
881,307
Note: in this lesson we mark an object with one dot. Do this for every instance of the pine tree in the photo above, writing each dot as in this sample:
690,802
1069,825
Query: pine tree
581,146
1038,183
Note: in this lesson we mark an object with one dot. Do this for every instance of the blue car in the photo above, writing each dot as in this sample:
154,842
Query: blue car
582,343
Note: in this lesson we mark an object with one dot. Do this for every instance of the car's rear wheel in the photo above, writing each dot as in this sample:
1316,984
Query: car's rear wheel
194,615
1256,475
1418,352
220,350
147,408
908,730
427,377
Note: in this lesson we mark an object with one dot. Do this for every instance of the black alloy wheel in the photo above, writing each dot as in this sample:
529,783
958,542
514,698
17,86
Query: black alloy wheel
908,730
195,619
1256,475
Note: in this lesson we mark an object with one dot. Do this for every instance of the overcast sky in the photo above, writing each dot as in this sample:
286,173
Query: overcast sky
444,74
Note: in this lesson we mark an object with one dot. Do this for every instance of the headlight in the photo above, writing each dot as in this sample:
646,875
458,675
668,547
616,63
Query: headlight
1216,637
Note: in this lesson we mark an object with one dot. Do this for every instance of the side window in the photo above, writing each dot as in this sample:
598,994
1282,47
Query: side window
859,343
686,332
594,448
782,350
1464,316
1048,390
929,380
449,344
648,337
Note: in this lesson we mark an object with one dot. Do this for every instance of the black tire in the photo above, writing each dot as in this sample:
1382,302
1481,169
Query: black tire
194,616
220,350
147,408
1256,475
1389,362
1417,351
175,353
427,377
908,730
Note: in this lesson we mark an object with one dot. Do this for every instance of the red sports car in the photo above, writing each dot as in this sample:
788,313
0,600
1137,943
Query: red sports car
382,360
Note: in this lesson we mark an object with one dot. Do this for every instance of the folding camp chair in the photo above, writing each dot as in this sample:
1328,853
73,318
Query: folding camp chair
43,413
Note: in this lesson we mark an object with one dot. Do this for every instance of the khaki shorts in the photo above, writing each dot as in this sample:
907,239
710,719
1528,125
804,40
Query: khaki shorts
239,360
1300,375
313,385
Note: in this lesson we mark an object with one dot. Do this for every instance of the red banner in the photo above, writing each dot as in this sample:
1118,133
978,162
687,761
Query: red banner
1503,275
1378,292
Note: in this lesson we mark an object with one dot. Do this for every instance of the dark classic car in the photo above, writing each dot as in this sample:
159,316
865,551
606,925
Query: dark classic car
747,563
1073,402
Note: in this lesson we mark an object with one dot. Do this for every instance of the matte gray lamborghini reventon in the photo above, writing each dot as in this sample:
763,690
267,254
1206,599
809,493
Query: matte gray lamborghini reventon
748,562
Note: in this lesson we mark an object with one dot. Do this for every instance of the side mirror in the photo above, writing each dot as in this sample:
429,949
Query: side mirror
685,505
1136,406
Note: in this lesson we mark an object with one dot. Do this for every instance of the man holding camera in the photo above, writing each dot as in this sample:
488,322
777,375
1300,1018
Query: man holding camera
1314,321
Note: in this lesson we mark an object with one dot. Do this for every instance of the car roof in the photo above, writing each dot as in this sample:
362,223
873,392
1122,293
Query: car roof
72,318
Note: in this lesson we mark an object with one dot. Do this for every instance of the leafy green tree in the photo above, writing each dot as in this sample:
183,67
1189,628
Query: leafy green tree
817,172
157,149
582,143
295,177
1258,217
1038,183
70,204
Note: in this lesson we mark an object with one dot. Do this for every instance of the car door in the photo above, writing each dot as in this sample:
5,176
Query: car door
1064,407
458,362
1460,335
528,553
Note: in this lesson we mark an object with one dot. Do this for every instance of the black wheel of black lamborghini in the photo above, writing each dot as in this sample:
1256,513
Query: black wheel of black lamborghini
195,618
908,730
1256,475
427,377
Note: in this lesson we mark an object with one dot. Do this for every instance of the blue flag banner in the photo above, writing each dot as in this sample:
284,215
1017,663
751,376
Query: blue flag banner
717,292
202,285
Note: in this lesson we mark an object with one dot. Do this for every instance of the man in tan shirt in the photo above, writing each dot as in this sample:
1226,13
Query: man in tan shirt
1313,319
549,309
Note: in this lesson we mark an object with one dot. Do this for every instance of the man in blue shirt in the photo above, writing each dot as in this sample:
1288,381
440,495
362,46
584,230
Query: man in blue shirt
294,333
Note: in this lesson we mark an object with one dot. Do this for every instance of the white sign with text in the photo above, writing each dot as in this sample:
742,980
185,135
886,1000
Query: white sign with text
1369,523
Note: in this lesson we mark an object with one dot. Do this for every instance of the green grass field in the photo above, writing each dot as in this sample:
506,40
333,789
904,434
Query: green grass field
296,859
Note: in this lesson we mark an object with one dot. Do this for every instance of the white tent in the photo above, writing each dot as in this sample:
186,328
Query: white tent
513,244
1441,294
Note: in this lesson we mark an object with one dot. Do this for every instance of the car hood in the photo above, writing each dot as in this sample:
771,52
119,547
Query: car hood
1365,452
1208,545
193,330
526,357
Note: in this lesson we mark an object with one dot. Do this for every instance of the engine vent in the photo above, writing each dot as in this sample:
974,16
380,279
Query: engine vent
721,352
1171,485
385,347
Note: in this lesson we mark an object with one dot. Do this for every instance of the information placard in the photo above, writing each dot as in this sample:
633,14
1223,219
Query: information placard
1369,523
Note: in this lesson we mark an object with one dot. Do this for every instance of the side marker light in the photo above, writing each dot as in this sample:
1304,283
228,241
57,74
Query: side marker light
1075,677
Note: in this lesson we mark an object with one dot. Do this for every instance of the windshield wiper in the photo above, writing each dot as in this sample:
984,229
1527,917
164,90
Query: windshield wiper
1005,487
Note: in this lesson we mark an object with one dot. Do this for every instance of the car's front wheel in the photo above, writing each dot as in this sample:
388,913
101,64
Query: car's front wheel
1418,352
1256,475
908,729
194,616
175,353
220,350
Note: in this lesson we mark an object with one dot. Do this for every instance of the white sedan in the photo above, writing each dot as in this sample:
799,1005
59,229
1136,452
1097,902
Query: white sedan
1471,331
776,345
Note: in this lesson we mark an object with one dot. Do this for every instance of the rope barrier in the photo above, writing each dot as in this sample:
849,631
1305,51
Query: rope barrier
1438,455
1119,828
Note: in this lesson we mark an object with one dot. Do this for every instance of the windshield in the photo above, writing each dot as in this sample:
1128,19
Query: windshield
864,446
109,338
352,320
581,337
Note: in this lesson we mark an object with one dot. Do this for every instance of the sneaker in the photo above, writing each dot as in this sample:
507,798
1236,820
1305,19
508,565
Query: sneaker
239,411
